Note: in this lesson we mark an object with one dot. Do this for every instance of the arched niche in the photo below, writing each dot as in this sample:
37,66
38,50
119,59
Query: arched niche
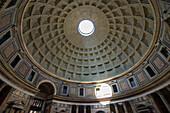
46,88
100,111
62,111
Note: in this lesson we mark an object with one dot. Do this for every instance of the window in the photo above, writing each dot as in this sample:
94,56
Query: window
31,76
150,71
114,88
132,82
81,92
65,89
5,37
164,52
15,61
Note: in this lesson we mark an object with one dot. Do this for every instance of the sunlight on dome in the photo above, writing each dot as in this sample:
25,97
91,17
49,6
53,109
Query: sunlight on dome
86,27
105,102
103,91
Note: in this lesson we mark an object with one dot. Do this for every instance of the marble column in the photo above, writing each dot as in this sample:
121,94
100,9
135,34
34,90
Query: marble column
124,107
43,106
84,109
70,108
164,100
92,109
116,108
108,107
132,106
77,108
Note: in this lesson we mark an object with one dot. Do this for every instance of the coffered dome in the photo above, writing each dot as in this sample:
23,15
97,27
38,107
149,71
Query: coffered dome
123,36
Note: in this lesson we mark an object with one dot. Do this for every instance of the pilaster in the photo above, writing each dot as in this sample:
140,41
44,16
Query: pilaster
124,107
132,106
116,108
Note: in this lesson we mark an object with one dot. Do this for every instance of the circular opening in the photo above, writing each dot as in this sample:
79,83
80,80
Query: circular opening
86,27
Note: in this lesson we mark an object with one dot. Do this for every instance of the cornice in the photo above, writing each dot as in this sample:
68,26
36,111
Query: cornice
152,86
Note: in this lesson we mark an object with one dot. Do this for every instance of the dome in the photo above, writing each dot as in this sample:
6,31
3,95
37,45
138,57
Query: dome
124,32
84,56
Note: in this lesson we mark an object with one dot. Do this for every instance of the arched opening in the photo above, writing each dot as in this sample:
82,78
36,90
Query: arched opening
100,112
62,111
46,88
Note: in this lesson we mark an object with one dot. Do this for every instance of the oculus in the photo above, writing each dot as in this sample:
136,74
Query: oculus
86,27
